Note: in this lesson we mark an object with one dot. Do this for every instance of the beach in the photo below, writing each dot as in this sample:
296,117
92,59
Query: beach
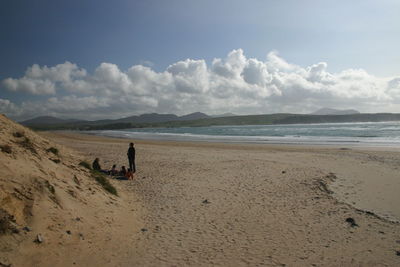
215,204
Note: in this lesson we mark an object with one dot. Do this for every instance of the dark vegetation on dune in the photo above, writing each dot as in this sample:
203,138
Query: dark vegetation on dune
282,118
103,181
100,178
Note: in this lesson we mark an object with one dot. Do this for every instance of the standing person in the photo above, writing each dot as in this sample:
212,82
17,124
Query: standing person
131,157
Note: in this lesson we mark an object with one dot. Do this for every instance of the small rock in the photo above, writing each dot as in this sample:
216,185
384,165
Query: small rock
26,229
5,265
143,230
68,232
15,231
81,236
283,171
398,252
352,222
39,239
77,219
205,201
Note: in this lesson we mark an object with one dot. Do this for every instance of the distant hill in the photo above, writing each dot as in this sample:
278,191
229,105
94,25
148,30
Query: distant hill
52,122
332,111
148,118
194,116
47,120
266,119
224,115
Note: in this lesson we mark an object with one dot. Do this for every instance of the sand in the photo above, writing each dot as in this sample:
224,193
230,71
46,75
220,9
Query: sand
208,204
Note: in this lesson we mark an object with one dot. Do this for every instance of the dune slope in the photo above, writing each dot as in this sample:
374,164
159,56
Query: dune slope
52,211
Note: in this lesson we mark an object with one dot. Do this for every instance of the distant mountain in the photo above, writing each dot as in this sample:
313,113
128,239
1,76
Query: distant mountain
266,119
144,118
332,111
194,116
224,115
148,118
155,117
48,120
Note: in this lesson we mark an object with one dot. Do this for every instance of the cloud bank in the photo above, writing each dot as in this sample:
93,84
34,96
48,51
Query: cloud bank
235,84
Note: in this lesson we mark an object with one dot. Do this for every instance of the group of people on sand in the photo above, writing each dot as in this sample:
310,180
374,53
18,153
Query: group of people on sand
123,173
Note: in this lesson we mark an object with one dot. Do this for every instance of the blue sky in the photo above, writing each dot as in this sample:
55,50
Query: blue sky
346,35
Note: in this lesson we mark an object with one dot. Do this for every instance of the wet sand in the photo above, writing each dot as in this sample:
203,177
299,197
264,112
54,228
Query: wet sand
206,204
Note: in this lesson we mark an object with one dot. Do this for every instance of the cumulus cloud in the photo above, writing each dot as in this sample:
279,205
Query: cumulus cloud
44,80
232,84
7,107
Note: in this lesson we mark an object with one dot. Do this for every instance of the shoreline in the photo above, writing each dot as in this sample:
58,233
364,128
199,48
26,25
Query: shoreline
326,134
327,145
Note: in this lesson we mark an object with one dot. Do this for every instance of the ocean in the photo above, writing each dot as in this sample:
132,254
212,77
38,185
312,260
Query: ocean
361,133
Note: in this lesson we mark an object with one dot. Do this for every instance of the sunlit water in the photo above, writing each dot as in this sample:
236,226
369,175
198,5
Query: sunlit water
373,133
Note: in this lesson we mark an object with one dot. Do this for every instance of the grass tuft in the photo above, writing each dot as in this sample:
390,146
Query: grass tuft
102,180
50,187
53,150
55,160
85,164
18,134
27,144
6,149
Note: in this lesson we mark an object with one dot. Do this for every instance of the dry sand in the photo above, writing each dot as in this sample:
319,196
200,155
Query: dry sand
206,204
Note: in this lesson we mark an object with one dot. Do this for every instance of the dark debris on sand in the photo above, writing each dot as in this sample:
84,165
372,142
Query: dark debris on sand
352,222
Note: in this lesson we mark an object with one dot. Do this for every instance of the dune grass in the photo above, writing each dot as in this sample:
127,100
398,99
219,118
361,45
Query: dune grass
85,164
100,178
6,148
52,150
27,144
103,181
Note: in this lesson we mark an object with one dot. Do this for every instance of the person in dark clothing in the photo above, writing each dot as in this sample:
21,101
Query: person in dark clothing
131,157
96,165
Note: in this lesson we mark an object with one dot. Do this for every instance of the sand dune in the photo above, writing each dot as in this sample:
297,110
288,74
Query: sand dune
49,194
193,204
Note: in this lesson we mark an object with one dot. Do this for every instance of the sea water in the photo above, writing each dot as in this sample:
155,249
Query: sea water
360,133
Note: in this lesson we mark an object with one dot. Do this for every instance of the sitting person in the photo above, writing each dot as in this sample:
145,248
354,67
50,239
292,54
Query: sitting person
96,166
129,174
122,172
113,170
125,174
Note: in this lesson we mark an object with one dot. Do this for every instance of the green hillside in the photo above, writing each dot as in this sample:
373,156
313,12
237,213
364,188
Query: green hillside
235,120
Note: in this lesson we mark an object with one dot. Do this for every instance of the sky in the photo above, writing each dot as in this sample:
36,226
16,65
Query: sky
96,59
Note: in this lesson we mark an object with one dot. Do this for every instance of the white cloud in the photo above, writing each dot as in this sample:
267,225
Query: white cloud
44,80
7,107
234,84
